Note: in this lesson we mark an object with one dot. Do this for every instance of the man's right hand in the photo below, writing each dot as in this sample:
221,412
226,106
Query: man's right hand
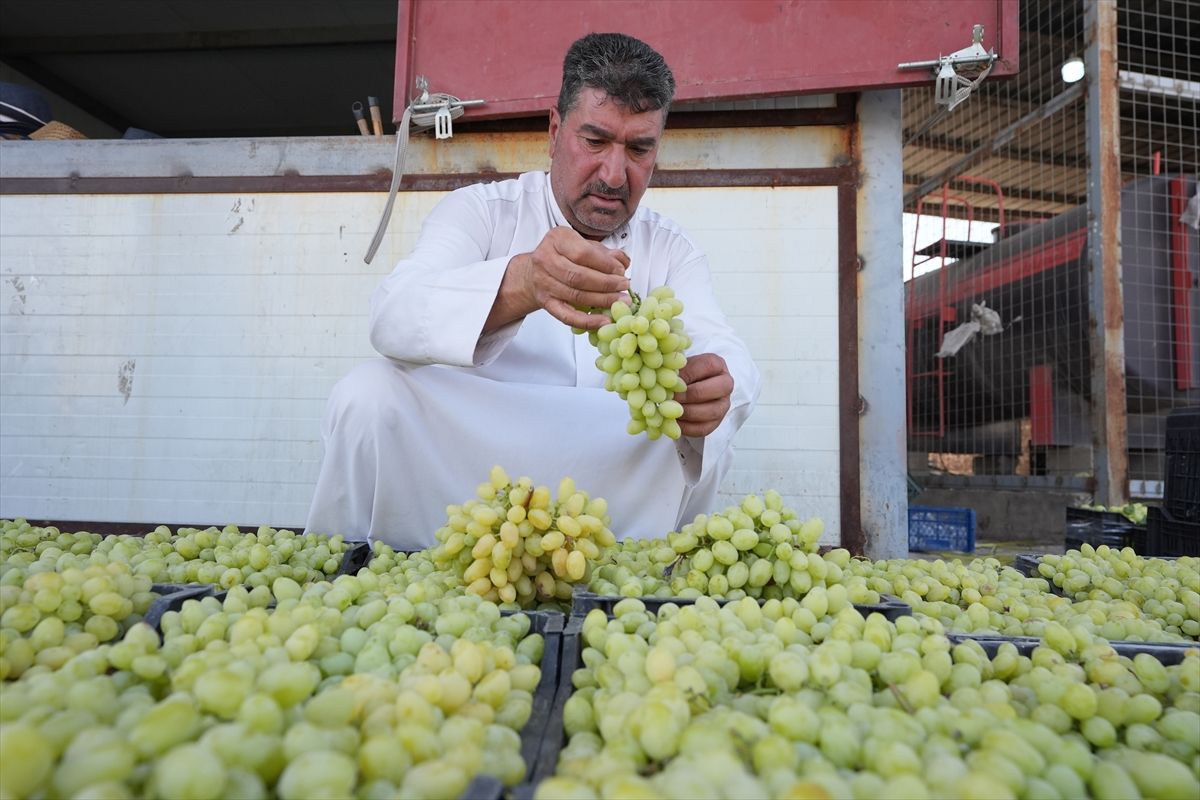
564,271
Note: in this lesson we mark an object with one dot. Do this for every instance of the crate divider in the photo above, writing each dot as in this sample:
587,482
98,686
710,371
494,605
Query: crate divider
583,602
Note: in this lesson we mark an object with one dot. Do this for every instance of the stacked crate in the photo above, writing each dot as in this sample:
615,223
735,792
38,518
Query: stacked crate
1174,529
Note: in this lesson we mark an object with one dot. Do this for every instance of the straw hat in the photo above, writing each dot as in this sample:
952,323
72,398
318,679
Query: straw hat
55,130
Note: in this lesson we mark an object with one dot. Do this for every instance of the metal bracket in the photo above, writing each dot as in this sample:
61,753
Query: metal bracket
443,123
951,88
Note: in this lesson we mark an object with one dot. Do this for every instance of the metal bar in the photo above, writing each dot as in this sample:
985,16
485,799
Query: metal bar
1071,482
1158,84
379,182
1046,110
1106,318
849,401
1181,289
420,107
882,467
937,62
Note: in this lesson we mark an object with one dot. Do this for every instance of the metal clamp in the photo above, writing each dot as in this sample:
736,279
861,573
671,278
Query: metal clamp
951,88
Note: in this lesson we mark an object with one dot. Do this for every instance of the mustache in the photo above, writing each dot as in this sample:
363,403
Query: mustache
603,189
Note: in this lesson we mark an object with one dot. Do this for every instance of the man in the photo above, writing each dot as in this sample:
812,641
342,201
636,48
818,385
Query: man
481,365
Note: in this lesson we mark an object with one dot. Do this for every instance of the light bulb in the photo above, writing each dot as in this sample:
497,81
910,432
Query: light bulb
1072,69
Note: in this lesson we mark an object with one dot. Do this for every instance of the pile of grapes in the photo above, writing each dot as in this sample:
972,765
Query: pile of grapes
417,674
1165,590
641,353
979,596
775,701
516,543
331,690
222,557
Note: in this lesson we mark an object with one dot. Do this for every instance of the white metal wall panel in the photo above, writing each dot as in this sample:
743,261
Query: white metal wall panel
773,253
166,358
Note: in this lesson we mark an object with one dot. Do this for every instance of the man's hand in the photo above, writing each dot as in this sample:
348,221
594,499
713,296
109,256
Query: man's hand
564,271
706,401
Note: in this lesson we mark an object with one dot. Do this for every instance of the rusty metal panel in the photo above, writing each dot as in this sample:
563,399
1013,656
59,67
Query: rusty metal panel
510,53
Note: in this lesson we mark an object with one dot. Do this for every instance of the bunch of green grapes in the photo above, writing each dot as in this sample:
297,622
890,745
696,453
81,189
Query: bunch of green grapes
641,353
47,617
778,700
751,547
339,690
516,543
1164,590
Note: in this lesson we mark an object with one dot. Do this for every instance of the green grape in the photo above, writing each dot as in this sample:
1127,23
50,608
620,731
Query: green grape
641,353
189,772
27,757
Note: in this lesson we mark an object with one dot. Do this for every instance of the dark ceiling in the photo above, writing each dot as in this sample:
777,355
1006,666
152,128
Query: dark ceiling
206,68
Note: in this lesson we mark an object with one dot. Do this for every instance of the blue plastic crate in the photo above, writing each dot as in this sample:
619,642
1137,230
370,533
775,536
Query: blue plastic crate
933,529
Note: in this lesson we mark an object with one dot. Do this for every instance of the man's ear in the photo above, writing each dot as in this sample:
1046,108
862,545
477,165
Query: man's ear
555,126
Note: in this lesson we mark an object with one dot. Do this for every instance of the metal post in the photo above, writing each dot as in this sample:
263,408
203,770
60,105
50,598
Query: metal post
1106,316
883,461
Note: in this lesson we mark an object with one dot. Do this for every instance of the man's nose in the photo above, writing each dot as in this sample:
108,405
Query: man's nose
612,167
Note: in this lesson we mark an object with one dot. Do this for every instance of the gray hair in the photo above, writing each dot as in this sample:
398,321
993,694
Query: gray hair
629,71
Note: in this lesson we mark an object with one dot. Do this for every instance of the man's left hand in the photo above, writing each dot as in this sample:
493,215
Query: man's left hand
706,401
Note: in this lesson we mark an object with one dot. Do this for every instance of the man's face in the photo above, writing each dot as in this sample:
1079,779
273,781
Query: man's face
602,157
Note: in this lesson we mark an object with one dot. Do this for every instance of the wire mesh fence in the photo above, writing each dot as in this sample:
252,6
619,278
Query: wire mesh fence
1000,332
1158,60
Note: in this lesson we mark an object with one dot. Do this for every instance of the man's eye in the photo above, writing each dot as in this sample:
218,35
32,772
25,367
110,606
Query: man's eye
594,142
640,151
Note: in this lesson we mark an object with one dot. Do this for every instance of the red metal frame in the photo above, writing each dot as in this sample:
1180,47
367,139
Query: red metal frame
944,311
1041,405
1181,290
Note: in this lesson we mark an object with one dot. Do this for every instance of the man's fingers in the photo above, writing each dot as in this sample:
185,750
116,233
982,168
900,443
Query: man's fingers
706,389
583,279
711,411
594,255
569,315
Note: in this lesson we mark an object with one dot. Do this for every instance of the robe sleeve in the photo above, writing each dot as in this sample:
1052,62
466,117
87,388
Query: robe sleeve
710,332
432,308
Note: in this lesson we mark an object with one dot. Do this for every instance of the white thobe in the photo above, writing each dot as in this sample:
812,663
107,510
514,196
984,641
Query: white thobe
411,433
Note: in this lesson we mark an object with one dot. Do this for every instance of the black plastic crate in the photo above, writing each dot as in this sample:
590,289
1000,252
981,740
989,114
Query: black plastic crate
571,658
1027,564
174,600
172,588
1084,525
583,602
483,787
1169,537
1181,490
355,558
1167,652
537,729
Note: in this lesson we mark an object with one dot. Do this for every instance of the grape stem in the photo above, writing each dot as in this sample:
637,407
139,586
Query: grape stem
901,699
